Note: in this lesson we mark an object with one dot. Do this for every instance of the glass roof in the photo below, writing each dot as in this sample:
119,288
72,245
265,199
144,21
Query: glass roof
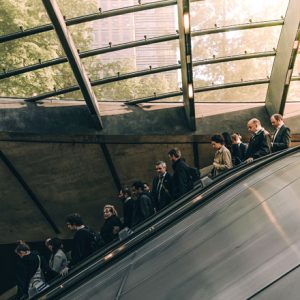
118,45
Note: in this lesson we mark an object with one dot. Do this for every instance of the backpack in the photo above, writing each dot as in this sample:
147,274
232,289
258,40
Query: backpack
194,174
96,239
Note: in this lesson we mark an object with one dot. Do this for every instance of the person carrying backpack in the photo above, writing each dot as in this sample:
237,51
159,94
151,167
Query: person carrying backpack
83,240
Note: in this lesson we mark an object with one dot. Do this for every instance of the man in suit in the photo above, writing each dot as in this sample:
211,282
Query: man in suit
260,142
162,186
282,137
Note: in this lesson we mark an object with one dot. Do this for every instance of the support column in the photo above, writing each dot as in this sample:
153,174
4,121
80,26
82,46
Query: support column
185,46
284,61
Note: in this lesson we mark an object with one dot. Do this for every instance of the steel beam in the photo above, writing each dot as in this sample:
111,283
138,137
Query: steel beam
153,98
88,18
146,41
29,191
185,46
283,66
111,166
199,90
120,77
89,53
252,25
68,45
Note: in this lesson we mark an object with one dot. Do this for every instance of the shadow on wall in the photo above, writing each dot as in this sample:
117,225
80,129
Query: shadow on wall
76,119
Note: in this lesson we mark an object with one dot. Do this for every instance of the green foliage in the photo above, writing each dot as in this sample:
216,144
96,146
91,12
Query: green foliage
45,46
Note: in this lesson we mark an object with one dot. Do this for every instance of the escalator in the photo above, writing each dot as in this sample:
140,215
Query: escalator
236,239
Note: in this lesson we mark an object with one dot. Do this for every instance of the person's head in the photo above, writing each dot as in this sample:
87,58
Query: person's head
174,154
227,138
22,249
161,168
124,193
146,187
276,120
73,221
108,211
137,188
253,125
54,244
235,138
217,141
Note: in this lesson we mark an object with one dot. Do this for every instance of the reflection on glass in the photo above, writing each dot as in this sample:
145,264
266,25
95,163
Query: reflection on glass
255,93
229,12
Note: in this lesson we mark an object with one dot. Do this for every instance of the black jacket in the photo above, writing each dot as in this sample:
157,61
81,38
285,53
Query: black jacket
26,268
182,182
143,208
282,139
259,145
128,207
82,245
238,152
107,230
162,192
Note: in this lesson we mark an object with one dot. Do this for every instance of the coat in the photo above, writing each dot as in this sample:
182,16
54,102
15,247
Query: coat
282,139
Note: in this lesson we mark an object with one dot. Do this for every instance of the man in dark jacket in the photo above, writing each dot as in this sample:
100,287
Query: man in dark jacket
182,182
162,187
282,137
260,142
128,203
82,241
143,204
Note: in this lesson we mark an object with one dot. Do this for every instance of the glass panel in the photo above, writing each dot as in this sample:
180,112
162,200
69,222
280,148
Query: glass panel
130,27
25,13
139,87
296,71
234,71
38,82
76,8
294,92
131,60
205,14
236,42
254,93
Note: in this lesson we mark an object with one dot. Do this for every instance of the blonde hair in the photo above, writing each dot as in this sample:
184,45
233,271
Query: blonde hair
111,209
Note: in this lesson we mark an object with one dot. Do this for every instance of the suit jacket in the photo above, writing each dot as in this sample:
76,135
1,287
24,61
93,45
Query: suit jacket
282,139
259,145
162,194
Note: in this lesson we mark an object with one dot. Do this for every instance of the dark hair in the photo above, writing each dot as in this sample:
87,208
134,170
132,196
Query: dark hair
175,152
74,219
227,139
22,246
126,190
138,185
277,117
217,138
56,244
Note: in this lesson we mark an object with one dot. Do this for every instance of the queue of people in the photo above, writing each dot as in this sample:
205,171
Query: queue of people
141,202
